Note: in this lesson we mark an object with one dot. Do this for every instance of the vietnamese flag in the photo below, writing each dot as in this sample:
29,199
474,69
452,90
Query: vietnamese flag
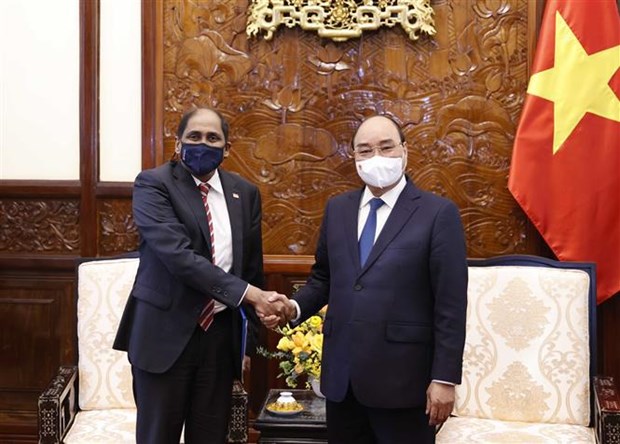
565,170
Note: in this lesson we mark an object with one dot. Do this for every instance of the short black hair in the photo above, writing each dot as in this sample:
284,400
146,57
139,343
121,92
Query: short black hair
401,134
188,115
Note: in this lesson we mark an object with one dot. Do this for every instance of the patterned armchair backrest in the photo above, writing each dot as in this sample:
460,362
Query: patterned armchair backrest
527,352
104,374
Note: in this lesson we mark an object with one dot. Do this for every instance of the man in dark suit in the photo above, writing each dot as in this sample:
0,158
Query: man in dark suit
200,262
391,264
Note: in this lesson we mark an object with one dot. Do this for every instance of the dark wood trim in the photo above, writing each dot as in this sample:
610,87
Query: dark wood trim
152,84
36,261
535,11
89,123
287,264
39,188
114,189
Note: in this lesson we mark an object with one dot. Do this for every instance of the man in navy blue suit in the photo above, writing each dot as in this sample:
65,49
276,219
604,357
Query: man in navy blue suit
200,262
391,264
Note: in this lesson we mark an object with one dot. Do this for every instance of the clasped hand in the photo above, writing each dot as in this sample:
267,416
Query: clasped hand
272,308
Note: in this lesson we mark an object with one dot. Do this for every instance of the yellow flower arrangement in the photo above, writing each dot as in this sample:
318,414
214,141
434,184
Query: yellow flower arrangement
299,349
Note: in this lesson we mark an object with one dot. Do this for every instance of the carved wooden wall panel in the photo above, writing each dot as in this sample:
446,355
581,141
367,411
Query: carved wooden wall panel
117,232
39,226
293,104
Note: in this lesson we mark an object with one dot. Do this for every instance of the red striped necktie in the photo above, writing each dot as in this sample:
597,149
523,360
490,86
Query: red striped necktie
206,316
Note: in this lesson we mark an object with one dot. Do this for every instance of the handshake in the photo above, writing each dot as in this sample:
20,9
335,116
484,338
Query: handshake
273,309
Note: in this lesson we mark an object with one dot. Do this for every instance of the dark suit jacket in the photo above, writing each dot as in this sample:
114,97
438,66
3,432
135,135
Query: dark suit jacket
174,275
398,322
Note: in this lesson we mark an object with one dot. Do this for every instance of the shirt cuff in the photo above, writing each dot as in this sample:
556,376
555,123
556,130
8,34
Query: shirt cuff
243,295
439,381
297,311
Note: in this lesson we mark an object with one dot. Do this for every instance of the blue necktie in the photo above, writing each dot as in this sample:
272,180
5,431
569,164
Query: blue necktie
367,239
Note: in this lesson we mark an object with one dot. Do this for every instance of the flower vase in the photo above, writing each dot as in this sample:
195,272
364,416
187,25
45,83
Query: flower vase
315,383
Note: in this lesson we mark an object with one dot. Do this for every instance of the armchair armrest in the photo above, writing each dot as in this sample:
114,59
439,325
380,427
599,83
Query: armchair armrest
58,406
606,410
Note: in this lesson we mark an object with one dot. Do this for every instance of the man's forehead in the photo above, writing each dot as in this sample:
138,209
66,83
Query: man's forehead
204,119
377,127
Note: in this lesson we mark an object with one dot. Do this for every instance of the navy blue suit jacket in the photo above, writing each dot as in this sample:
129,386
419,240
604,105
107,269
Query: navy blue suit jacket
174,276
398,322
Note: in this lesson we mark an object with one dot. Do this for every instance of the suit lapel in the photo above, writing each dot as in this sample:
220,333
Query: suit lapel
191,194
349,216
235,212
405,206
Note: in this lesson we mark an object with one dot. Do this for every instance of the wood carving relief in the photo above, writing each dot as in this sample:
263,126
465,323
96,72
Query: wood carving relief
293,103
117,232
39,226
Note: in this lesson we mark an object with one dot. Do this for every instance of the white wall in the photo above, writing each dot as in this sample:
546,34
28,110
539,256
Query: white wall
120,90
39,90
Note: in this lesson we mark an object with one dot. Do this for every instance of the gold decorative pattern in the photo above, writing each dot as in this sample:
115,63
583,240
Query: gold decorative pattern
565,367
108,425
513,437
105,375
340,20
516,315
480,354
486,431
517,396
544,378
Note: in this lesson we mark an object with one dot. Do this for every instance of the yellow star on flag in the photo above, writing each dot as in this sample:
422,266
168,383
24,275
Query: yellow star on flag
578,83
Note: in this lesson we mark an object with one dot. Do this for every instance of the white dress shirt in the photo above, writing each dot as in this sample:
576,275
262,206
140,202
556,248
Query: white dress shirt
389,199
222,233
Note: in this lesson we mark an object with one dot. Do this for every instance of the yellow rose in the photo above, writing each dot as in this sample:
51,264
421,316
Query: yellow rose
285,344
315,321
299,369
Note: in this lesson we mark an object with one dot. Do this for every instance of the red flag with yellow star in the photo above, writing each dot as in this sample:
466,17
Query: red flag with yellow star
565,170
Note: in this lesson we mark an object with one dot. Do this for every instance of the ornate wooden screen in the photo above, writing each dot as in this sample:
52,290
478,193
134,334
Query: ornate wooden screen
293,103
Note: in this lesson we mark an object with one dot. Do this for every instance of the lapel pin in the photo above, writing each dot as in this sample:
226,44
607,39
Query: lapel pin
235,195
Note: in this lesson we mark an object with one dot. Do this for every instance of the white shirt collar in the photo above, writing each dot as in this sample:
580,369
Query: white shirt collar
215,182
389,197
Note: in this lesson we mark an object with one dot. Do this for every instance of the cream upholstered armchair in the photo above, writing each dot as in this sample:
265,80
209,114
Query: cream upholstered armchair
529,361
93,402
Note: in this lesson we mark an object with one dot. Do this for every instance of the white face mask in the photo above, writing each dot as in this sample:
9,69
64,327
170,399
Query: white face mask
380,171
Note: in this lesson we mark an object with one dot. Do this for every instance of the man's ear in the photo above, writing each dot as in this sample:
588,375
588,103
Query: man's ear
177,146
226,149
349,151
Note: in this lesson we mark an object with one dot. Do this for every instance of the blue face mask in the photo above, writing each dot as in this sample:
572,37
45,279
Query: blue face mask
201,158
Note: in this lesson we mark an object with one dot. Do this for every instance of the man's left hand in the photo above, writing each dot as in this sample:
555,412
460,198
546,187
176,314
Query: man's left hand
439,402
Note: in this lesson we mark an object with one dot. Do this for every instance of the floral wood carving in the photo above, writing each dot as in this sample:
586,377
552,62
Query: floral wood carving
118,234
294,101
39,226
340,20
